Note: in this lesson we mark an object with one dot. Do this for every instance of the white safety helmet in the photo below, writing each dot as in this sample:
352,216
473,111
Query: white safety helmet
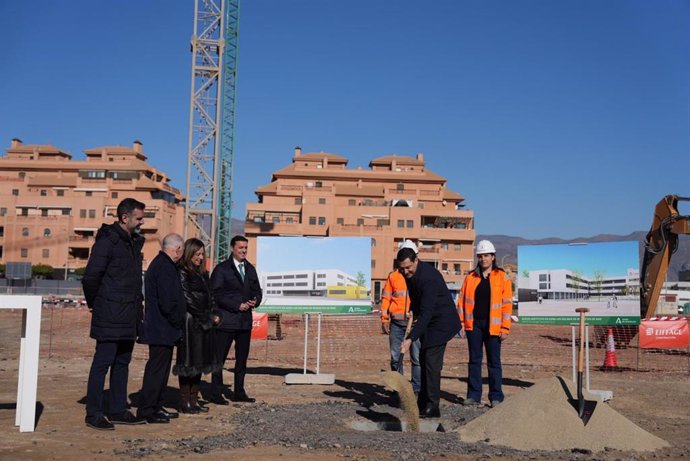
484,247
409,244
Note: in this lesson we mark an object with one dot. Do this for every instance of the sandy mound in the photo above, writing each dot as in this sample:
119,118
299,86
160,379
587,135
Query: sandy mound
542,418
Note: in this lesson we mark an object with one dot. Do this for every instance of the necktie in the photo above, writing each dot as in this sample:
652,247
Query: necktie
241,268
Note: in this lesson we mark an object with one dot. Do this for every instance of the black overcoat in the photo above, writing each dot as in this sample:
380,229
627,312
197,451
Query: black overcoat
112,284
165,308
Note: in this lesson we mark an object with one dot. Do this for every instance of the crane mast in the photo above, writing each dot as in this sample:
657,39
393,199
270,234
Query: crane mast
211,125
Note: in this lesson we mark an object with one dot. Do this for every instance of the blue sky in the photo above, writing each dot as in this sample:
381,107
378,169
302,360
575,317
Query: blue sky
348,254
552,118
610,258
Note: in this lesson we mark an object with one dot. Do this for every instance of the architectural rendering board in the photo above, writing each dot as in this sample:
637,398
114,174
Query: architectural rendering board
554,280
331,275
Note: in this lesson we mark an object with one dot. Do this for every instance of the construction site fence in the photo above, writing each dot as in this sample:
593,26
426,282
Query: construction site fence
358,340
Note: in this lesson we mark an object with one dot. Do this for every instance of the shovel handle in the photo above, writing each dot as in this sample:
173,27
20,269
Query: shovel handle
580,354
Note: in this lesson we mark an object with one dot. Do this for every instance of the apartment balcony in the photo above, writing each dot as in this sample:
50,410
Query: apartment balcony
355,230
445,233
271,228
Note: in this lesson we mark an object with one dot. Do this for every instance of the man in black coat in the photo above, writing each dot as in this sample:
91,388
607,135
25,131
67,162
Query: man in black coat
236,289
112,288
436,323
164,316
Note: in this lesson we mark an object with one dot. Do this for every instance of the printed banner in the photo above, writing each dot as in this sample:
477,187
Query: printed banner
664,334
259,325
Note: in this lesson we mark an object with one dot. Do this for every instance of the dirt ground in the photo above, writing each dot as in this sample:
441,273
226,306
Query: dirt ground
314,422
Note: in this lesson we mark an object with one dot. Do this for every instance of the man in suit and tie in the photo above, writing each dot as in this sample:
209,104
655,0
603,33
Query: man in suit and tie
236,289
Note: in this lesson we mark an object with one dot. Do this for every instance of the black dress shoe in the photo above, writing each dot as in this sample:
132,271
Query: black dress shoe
127,418
430,412
242,397
100,423
157,418
218,400
168,414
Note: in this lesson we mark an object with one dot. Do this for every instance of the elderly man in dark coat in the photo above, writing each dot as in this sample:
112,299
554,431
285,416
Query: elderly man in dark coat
112,288
437,322
164,316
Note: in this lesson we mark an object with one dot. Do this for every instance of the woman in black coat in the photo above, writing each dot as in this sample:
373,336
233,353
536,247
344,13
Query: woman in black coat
195,355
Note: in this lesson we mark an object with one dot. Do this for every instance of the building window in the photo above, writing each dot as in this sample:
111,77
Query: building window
88,193
15,192
3,211
22,174
444,267
289,220
382,222
360,222
400,187
44,212
46,253
456,269
352,202
275,220
23,212
298,200
60,192
456,246
66,211
373,243
322,221
2,231
114,195
420,205
44,193
82,213
319,184
24,252
340,221
373,263
46,232
25,232
444,245
322,201
312,220
401,223
410,223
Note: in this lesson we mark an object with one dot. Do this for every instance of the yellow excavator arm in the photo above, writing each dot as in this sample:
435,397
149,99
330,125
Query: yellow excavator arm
660,244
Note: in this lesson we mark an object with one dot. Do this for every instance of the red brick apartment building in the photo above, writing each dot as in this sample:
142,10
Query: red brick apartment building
397,198
52,206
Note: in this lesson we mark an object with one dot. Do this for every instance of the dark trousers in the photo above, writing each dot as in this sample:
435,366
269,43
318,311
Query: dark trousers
114,356
477,339
431,362
224,340
156,375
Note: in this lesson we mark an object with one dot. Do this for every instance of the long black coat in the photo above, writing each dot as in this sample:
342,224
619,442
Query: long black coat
112,284
432,306
165,308
230,291
196,353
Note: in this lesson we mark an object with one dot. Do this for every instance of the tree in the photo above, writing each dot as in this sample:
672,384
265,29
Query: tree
361,281
598,281
42,271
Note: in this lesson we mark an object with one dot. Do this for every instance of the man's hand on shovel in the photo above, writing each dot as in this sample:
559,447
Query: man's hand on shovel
405,346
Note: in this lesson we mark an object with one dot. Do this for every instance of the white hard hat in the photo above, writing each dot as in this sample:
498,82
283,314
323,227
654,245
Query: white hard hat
409,244
484,247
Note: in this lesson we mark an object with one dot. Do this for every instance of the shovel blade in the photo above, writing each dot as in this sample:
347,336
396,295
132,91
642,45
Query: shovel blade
584,408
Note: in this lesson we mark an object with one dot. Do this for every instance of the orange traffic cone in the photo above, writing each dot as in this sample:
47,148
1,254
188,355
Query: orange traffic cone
610,363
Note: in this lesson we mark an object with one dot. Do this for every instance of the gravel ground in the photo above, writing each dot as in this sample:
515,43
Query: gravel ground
326,427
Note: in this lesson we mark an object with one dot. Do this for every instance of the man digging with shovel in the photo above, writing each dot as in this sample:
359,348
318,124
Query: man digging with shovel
437,323
395,313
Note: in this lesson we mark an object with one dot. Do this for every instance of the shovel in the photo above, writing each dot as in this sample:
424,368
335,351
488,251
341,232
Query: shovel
584,408
399,367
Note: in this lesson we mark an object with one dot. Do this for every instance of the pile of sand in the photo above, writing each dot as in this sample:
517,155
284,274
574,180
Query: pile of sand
542,418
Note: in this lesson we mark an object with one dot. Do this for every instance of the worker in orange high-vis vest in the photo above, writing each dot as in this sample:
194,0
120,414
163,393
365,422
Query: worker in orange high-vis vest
395,312
485,304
